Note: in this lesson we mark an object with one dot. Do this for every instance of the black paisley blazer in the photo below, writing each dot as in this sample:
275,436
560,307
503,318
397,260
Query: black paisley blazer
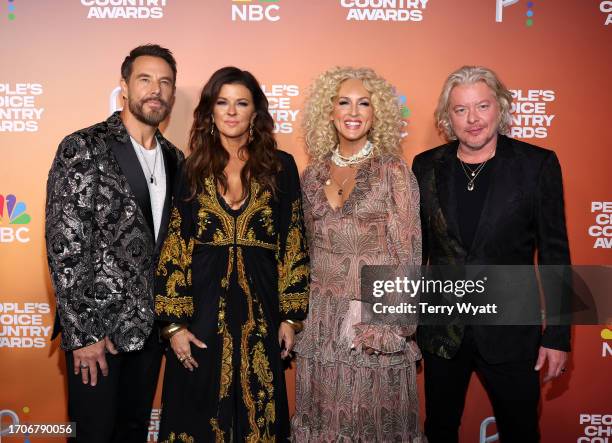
99,233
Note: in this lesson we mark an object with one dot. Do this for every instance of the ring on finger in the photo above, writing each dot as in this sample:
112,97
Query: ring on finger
83,366
181,358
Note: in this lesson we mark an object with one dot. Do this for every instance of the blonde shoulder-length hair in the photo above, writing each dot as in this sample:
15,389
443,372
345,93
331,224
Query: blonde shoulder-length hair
471,75
321,135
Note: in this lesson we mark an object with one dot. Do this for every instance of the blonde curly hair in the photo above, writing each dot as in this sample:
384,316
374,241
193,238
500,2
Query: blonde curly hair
321,135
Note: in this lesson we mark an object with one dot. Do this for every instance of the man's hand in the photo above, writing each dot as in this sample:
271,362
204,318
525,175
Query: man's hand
556,362
181,345
286,335
87,359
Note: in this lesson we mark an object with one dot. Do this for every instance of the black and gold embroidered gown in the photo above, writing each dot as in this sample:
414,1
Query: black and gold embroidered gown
232,276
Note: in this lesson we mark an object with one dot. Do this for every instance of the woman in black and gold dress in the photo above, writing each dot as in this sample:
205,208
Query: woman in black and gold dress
232,280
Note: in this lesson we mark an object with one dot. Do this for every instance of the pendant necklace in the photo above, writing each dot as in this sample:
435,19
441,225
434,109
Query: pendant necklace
470,173
329,181
152,178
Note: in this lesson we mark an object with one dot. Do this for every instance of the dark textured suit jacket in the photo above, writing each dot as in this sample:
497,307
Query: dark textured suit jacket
100,241
522,213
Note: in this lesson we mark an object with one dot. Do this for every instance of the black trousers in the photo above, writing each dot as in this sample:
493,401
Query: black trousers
118,408
513,388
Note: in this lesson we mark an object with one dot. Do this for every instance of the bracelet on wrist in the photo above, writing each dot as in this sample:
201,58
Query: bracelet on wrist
168,331
297,325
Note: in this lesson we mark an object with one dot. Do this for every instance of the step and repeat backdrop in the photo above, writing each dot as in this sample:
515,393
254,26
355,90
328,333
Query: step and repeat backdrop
60,72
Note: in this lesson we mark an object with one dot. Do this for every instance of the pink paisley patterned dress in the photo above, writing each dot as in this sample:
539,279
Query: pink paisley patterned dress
344,394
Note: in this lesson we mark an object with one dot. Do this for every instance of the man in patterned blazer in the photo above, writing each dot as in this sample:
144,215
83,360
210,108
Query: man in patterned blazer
487,199
108,198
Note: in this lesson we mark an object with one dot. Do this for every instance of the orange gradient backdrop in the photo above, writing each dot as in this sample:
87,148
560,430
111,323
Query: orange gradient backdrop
76,60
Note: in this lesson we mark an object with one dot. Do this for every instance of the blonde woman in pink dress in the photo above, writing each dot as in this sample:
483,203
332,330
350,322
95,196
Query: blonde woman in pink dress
356,382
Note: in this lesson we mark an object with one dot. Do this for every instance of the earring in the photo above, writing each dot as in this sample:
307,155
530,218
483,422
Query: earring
212,125
251,132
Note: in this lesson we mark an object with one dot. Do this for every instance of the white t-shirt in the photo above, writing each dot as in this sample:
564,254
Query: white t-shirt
157,189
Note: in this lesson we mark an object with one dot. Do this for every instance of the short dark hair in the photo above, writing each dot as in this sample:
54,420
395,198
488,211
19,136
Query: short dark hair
150,50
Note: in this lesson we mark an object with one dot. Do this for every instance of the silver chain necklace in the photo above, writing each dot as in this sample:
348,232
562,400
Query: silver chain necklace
152,178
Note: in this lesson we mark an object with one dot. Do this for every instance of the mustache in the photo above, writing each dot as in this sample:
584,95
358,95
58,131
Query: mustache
158,99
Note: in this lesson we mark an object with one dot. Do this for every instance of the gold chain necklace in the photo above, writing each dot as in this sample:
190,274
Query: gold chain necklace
473,173
330,180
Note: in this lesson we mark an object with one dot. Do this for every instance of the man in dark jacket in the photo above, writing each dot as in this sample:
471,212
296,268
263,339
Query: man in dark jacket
488,199
108,200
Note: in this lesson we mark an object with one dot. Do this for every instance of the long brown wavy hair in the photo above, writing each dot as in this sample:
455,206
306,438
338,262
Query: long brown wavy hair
209,158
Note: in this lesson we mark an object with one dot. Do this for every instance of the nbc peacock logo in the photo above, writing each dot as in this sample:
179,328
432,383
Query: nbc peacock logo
13,217
501,4
404,111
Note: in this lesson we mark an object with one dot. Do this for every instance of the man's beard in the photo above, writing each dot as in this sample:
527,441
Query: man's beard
153,118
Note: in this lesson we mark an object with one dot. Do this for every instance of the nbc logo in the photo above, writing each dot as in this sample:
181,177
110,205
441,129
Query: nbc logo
606,347
255,11
13,213
11,10
501,4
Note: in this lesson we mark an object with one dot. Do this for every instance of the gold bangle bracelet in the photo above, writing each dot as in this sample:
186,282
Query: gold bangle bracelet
168,331
297,325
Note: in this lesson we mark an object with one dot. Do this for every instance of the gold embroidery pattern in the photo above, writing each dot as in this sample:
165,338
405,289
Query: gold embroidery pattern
226,356
260,202
257,243
230,265
203,220
176,254
294,301
219,434
182,437
209,204
290,273
236,232
262,327
261,367
270,415
177,306
245,369
266,219
245,237
175,251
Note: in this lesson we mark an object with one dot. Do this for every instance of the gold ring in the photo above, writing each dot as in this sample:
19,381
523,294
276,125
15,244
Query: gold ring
181,358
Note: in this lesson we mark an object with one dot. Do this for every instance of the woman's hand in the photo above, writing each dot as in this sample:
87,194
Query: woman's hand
286,335
181,345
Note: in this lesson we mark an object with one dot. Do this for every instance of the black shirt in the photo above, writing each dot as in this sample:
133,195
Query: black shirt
470,203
